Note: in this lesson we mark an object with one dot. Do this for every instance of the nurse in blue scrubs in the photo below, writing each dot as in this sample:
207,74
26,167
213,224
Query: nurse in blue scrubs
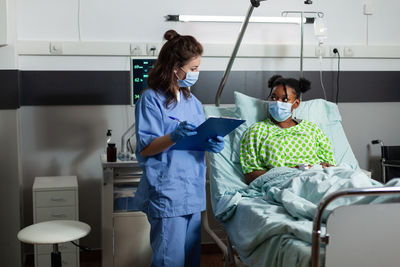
172,189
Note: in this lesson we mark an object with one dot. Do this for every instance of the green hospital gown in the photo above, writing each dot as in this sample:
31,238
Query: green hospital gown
265,146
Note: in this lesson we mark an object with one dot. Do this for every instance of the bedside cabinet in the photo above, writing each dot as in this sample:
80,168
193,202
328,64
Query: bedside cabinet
125,231
55,198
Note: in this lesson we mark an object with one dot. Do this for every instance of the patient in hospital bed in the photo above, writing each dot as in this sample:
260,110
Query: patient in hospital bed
281,140
268,213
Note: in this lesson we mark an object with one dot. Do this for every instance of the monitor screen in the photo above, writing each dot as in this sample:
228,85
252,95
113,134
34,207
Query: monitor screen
139,73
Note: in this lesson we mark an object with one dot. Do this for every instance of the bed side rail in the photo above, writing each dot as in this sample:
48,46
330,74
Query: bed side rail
316,233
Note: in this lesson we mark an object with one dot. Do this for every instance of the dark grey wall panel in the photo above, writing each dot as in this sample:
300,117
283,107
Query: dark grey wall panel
255,83
20,88
9,91
369,86
354,86
74,88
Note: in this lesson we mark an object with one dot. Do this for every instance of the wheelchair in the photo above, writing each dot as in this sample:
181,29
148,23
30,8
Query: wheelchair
390,160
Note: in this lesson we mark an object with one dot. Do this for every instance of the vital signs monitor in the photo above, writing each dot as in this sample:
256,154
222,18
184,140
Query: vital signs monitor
140,68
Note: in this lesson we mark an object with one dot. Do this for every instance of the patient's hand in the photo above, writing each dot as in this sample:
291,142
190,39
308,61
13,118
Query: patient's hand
251,176
324,165
303,166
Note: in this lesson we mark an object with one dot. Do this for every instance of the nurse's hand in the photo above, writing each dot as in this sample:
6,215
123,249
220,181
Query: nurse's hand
215,144
184,129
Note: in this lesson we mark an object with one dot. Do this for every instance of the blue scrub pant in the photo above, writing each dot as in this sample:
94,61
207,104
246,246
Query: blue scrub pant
175,241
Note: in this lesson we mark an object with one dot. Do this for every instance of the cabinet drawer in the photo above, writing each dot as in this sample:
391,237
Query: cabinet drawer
55,198
62,247
67,260
56,213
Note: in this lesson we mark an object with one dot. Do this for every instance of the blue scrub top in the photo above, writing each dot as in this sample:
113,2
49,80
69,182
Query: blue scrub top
173,181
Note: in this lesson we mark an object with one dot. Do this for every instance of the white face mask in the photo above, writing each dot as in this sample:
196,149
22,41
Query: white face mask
280,111
190,80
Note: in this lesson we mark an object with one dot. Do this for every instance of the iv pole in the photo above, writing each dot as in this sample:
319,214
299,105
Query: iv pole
256,3
308,20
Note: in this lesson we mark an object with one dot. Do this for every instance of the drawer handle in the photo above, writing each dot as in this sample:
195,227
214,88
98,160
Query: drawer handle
58,199
59,215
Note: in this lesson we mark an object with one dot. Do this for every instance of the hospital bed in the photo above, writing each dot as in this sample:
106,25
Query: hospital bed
273,222
262,230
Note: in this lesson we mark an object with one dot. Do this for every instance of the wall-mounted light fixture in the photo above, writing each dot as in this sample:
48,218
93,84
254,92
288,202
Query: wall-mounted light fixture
200,18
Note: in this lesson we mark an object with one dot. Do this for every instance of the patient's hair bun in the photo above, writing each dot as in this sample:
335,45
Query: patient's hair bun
171,34
272,80
300,86
304,85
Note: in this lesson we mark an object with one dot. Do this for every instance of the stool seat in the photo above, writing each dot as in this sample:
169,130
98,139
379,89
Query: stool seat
53,232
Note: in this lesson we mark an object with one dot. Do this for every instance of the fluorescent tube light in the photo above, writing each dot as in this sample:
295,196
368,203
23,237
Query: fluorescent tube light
198,18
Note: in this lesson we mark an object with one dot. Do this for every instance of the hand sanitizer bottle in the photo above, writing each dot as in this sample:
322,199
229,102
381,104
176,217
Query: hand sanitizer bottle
108,140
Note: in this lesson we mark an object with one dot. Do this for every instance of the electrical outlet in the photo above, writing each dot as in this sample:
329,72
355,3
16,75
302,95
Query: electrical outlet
348,51
152,49
138,49
339,49
320,51
56,48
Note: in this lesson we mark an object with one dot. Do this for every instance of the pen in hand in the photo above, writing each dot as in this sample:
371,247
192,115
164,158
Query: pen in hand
185,124
183,129
175,119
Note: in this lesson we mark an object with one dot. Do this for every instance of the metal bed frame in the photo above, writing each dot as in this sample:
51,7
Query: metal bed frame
317,239
230,259
228,251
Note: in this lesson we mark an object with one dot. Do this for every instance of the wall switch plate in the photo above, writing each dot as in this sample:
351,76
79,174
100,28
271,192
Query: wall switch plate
56,48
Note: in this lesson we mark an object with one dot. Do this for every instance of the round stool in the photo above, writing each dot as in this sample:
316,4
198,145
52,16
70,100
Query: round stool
53,232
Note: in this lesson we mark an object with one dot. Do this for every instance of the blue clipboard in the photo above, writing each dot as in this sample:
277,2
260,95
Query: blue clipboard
211,128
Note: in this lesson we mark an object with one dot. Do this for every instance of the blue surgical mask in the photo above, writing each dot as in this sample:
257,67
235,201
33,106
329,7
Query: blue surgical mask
190,80
280,111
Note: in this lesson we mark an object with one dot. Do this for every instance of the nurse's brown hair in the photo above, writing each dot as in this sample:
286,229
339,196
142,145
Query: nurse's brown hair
175,53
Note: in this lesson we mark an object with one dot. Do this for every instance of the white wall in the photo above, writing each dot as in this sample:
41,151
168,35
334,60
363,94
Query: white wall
143,21
8,57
